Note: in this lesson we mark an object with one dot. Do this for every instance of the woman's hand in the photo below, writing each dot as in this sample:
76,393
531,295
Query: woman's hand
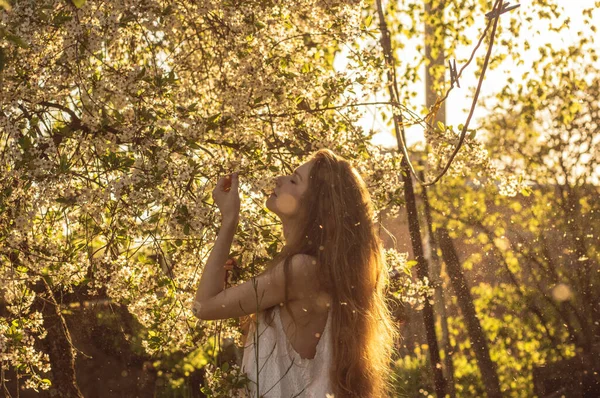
227,197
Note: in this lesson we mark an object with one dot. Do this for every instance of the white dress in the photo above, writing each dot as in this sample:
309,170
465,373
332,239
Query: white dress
282,372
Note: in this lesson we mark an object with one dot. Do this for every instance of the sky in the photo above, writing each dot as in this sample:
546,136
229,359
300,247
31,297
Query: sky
460,99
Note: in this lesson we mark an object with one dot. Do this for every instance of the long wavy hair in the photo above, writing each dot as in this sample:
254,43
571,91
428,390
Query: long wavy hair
338,217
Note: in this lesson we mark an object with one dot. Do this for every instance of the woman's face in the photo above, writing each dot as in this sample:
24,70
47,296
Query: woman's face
285,199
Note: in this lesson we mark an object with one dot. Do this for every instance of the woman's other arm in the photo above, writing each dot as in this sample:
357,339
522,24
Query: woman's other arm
259,293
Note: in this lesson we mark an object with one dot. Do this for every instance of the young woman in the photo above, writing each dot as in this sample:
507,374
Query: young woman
322,322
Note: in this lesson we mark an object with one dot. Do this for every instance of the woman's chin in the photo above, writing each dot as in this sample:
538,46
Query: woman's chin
286,204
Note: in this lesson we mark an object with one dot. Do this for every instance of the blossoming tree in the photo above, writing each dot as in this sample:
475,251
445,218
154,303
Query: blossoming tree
117,118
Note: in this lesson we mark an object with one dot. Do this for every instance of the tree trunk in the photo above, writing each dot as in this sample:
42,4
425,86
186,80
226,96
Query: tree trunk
436,45
58,343
440,302
487,367
422,272
434,57
411,209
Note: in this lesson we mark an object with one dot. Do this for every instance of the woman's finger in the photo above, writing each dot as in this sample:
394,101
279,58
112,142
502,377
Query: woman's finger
227,183
234,181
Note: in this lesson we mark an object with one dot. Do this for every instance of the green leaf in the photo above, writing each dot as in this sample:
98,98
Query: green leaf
16,40
78,3
5,4
213,119
441,126
24,142
127,162
61,18
66,200
63,165
368,20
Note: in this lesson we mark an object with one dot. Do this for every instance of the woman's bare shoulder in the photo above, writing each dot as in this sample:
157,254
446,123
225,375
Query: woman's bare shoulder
305,278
